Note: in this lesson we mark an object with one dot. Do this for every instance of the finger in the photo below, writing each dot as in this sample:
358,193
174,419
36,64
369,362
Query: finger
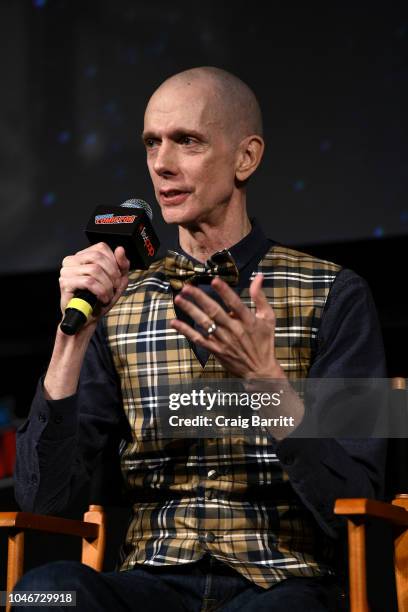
263,308
199,316
100,285
122,260
92,270
90,257
206,304
95,258
210,343
118,292
228,329
70,284
233,303
99,247
122,285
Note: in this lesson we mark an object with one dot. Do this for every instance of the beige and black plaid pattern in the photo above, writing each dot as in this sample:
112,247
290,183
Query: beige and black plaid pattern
180,270
226,496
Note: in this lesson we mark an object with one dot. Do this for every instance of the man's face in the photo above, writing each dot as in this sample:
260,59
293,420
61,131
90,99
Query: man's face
190,158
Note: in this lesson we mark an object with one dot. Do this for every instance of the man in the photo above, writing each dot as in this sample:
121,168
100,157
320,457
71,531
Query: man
218,524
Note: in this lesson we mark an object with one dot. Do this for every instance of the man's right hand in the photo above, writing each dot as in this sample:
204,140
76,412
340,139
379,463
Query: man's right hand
105,274
98,269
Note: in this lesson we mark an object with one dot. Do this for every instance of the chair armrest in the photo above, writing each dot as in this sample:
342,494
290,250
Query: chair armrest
357,509
50,524
91,531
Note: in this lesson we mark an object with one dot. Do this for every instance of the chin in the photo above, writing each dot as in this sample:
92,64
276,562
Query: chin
178,217
170,216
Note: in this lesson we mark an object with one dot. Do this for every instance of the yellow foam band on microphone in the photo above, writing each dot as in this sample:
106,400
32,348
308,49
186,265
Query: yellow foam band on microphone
80,305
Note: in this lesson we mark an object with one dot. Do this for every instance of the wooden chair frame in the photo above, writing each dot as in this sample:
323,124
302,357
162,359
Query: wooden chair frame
358,512
92,530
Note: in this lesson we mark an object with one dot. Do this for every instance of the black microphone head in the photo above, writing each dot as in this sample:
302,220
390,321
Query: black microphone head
130,228
137,203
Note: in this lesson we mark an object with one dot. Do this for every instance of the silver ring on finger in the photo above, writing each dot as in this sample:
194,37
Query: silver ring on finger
211,329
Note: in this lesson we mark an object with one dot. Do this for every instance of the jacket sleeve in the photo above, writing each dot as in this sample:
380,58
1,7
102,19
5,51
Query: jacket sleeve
349,345
62,442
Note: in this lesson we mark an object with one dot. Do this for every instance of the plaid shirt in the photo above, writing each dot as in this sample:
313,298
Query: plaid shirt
229,497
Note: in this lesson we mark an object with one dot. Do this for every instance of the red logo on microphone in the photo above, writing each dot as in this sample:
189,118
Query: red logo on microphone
147,242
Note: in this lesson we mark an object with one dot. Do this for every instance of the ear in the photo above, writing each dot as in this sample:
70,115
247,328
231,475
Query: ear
250,151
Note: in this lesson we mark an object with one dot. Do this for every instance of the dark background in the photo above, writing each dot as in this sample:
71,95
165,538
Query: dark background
77,75
332,81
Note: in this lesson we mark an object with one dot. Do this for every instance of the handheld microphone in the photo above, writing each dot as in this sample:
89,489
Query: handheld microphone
131,229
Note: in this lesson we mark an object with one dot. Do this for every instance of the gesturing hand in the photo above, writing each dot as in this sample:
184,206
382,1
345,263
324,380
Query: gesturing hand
243,342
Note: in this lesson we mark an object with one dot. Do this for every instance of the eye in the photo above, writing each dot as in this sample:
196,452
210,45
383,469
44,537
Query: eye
186,140
149,143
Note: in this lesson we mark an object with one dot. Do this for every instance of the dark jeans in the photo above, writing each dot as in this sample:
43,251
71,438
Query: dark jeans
204,586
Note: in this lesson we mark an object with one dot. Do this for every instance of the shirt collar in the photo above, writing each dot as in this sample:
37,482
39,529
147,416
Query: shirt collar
242,251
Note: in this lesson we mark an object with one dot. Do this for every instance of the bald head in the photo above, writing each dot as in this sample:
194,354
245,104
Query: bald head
233,103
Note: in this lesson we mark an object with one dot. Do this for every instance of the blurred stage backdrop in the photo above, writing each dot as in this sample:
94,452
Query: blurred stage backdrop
75,77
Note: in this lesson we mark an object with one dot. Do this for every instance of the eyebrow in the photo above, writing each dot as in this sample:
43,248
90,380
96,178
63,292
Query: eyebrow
174,135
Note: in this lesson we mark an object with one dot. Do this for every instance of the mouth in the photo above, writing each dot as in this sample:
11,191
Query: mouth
173,196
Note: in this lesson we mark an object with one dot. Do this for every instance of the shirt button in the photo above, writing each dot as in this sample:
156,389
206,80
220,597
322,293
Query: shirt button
58,419
42,417
212,474
208,537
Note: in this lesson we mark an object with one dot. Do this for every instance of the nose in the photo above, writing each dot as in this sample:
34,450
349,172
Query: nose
165,162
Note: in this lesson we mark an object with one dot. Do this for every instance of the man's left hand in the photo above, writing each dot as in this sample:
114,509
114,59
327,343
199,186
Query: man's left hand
243,342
